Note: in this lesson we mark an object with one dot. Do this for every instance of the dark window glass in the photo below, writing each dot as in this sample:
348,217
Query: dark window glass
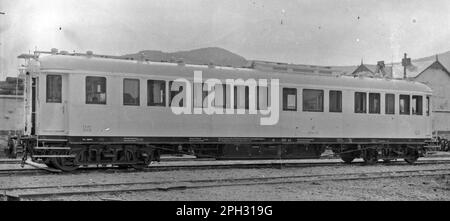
131,92
312,100
95,90
428,106
390,104
417,105
174,93
360,102
289,99
374,103
54,88
247,95
225,91
156,93
335,101
404,104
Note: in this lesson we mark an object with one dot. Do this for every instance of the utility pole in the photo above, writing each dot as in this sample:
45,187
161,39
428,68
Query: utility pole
405,62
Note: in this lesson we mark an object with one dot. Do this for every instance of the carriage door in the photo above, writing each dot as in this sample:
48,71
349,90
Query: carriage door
54,106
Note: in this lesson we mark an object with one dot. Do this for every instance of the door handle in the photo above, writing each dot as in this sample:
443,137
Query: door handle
64,107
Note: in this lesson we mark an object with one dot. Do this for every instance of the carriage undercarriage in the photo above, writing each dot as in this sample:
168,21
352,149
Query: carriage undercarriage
69,156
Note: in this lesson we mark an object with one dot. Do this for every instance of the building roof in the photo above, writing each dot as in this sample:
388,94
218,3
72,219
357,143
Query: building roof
361,69
435,65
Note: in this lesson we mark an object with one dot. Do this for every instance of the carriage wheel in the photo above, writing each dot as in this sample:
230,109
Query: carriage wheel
65,164
411,156
347,159
349,154
370,156
145,155
49,163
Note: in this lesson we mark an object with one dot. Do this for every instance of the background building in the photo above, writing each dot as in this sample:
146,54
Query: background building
11,109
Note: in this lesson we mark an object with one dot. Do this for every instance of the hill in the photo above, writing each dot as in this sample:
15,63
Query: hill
214,55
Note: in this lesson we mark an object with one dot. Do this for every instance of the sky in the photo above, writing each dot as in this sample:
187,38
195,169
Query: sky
319,32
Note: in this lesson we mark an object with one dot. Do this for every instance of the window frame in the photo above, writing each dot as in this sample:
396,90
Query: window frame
419,107
286,93
304,92
153,103
409,104
364,111
138,99
58,100
378,110
172,94
237,89
105,90
258,94
386,103
339,102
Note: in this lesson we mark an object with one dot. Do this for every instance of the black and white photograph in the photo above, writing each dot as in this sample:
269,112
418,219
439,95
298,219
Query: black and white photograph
224,101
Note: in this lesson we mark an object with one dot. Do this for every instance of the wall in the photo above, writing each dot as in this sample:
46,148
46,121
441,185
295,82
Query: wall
11,118
439,81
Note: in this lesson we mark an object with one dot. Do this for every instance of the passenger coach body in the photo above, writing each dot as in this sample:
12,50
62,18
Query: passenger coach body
88,104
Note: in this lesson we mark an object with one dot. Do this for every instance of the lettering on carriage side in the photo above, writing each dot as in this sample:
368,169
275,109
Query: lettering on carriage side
270,116
86,128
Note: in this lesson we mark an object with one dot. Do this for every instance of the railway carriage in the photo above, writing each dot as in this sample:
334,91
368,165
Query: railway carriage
86,109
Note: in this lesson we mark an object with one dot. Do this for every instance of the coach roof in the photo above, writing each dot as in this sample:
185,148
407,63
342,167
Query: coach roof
81,64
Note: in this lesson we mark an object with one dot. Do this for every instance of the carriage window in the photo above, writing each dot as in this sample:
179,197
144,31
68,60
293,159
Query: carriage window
312,100
390,104
262,95
219,96
225,90
374,103
335,101
289,99
199,95
417,105
404,104
360,102
54,88
247,95
131,92
428,106
238,97
95,90
156,93
174,93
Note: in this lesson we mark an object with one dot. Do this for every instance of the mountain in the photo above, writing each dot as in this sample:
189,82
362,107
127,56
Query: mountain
214,55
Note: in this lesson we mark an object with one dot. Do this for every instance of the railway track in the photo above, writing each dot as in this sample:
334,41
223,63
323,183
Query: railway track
58,191
22,172
206,166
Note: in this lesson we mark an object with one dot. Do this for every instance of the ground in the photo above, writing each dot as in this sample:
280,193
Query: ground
410,188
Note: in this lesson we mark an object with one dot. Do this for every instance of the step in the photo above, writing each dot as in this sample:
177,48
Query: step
53,156
51,148
52,140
